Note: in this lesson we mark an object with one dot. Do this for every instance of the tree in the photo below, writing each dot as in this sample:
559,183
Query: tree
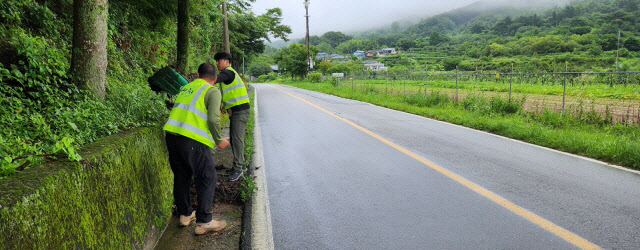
335,38
355,44
477,28
248,32
315,40
632,44
502,27
293,59
324,66
495,49
183,36
580,30
325,47
436,38
89,51
608,42
405,43
260,68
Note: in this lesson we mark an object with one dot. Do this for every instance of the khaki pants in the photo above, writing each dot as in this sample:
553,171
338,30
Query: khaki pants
237,129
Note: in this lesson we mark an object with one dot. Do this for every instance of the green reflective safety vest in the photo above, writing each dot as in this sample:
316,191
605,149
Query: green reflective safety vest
189,115
235,93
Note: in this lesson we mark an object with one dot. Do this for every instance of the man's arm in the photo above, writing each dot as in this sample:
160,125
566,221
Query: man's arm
212,99
226,76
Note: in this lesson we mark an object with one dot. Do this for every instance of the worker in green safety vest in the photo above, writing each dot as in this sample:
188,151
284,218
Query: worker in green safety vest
193,128
235,101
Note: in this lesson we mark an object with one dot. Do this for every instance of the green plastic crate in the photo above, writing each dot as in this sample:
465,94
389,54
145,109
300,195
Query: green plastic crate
169,80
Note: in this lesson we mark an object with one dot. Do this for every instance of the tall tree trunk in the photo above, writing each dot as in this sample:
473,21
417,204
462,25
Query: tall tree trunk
225,22
183,36
89,52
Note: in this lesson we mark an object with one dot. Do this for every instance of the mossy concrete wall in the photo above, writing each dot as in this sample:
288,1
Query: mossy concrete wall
110,200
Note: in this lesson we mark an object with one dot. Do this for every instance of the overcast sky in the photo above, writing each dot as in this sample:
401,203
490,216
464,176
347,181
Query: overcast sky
352,15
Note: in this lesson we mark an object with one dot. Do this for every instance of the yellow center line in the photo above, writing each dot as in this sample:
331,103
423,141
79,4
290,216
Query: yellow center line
542,222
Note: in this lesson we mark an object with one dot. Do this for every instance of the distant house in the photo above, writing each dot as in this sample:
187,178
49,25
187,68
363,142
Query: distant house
375,66
389,51
321,56
338,57
359,53
274,67
330,57
381,52
371,53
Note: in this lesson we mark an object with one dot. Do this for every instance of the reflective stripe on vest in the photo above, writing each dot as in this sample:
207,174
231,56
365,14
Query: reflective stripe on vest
235,93
189,115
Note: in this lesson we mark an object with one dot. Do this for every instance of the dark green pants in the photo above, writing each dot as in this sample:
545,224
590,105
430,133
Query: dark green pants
237,129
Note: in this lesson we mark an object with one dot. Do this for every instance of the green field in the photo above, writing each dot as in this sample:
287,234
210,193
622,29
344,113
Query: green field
583,92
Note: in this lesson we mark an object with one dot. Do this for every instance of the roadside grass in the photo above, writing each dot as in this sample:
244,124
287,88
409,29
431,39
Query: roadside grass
248,188
248,136
583,134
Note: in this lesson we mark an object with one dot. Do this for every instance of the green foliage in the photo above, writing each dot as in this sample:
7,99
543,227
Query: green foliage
498,32
495,105
293,60
248,31
247,188
502,106
405,43
324,66
268,77
335,38
346,68
334,81
42,112
352,45
39,107
632,44
315,77
65,145
260,68
431,100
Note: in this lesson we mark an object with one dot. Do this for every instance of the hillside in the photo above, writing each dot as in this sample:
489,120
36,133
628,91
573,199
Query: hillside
487,35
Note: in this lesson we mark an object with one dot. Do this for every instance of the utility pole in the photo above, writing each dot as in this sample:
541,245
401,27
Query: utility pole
227,47
306,6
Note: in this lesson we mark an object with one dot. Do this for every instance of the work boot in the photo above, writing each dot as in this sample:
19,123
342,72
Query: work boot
235,175
186,220
211,226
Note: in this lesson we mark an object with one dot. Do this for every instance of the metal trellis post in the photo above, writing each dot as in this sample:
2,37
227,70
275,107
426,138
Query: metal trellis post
564,93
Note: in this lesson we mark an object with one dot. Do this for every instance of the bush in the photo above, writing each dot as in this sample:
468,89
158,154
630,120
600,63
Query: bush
335,81
476,103
431,100
268,77
502,106
315,77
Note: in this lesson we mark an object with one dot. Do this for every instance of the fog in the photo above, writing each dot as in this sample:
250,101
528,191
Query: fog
358,15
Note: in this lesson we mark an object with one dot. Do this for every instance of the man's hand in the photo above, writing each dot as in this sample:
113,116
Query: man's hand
223,144
229,111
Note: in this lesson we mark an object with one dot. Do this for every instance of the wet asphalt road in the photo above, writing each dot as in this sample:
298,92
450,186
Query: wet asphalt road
332,186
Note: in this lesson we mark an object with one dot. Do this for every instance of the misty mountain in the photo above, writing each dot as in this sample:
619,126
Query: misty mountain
481,10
